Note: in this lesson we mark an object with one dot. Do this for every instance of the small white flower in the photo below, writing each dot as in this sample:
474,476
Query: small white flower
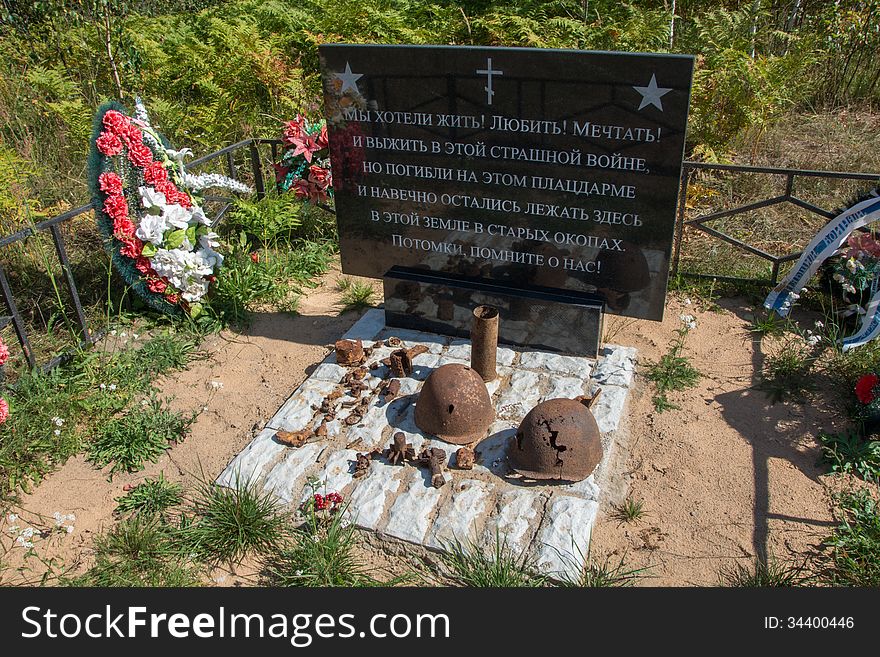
103,386
58,518
58,421
112,386
315,538
57,432
144,402
113,332
23,542
687,302
69,529
299,573
12,517
27,532
71,517
123,334
215,385
13,529
135,336
813,340
819,324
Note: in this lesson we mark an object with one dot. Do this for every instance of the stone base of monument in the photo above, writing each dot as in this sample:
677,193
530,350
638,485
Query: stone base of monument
551,523
537,317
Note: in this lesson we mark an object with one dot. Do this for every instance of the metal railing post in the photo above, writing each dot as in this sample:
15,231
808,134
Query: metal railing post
257,168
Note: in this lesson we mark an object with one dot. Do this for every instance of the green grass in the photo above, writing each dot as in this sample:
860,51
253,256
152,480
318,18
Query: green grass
850,451
606,573
228,524
630,510
764,574
470,565
140,551
320,553
152,497
787,371
767,323
143,434
355,294
852,552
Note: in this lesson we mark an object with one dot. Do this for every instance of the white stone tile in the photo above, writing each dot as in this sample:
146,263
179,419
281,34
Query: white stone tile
616,366
460,517
370,429
491,452
563,540
250,463
460,349
410,516
367,502
556,363
300,408
516,521
286,480
446,360
423,365
608,409
328,371
367,327
505,356
586,488
565,387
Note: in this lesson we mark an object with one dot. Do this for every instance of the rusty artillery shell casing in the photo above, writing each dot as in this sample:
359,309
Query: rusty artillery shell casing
484,341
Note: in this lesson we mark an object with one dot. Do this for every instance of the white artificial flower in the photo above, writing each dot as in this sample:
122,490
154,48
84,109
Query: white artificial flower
150,198
851,264
151,228
199,216
209,241
202,181
176,216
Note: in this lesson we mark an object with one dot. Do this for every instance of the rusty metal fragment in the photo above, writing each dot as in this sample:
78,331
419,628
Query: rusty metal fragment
454,405
558,439
484,341
465,458
361,465
400,363
349,352
321,431
393,342
412,352
294,438
389,389
400,450
434,459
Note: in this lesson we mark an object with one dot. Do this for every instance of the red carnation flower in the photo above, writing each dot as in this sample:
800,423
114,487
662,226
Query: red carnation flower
116,207
143,265
131,247
865,388
140,155
123,227
109,144
156,285
110,183
171,297
155,173
115,122
132,136
255,256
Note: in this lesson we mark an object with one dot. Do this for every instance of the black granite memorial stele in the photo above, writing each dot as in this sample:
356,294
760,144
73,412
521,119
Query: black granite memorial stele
544,182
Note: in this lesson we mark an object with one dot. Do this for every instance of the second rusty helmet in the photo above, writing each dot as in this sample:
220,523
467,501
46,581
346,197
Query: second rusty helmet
558,439
454,405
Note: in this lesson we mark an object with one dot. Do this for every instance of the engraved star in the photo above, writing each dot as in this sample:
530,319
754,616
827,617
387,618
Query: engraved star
349,79
651,94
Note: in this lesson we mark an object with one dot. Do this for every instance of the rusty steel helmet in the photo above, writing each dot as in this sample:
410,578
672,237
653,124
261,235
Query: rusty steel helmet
454,405
558,439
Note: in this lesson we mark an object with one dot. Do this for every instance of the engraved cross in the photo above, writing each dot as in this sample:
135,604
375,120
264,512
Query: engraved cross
489,72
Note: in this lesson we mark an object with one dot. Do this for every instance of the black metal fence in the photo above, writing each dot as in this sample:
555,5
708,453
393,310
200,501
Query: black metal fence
257,175
701,222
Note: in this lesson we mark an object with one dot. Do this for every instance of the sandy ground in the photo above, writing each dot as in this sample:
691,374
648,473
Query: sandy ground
727,477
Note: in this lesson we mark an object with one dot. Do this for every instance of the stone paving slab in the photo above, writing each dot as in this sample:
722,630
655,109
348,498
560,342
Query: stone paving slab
551,523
